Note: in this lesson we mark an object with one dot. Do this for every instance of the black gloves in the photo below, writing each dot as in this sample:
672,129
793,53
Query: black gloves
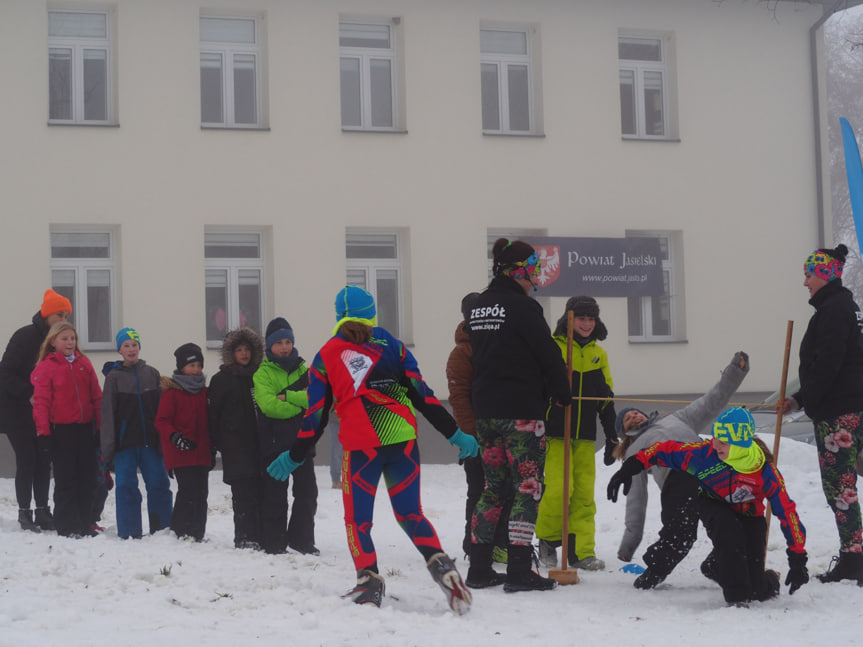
797,573
631,466
608,454
182,443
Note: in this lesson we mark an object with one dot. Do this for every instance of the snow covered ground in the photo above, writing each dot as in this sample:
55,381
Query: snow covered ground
159,590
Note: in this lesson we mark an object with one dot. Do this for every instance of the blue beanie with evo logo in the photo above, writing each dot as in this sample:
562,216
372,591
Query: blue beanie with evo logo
353,301
735,426
127,334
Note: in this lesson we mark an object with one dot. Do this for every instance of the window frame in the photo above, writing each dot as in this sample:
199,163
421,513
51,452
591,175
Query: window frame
503,62
638,68
371,266
672,268
78,45
365,55
227,51
81,266
233,266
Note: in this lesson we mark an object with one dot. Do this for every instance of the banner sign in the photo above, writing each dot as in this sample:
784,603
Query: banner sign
598,267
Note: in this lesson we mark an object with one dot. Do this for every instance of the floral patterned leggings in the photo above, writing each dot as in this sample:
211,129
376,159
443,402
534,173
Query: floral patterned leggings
840,443
513,456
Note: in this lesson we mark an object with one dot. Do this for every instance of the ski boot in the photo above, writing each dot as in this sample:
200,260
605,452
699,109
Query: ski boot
443,572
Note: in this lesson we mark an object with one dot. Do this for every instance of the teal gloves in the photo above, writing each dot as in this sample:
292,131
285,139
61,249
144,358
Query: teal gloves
466,444
282,467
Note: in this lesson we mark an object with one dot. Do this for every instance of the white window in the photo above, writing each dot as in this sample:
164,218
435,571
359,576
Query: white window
646,84
80,68
230,72
374,263
661,318
506,78
83,270
234,278
367,73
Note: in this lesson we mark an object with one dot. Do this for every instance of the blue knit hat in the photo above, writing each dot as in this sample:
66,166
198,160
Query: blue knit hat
735,426
353,301
278,329
618,421
127,333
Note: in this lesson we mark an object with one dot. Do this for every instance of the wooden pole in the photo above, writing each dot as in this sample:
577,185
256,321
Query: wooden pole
779,414
562,575
748,405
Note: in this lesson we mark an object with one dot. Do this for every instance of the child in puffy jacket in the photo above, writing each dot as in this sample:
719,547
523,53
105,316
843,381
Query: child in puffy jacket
66,403
182,425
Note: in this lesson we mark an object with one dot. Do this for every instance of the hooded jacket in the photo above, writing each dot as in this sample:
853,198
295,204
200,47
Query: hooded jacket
129,405
231,407
831,355
459,375
683,425
185,412
65,393
18,362
517,367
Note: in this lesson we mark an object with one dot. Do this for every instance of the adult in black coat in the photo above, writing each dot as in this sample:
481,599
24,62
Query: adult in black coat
518,371
233,428
32,461
831,393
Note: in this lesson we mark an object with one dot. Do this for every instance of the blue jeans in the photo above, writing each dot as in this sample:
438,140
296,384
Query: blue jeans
159,497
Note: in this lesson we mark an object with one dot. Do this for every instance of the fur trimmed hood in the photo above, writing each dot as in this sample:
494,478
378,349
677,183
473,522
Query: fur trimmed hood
247,336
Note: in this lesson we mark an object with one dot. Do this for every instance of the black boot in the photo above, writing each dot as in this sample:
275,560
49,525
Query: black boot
519,577
25,518
848,566
480,574
44,519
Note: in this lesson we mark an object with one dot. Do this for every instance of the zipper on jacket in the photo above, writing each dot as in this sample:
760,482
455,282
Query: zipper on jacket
140,405
77,393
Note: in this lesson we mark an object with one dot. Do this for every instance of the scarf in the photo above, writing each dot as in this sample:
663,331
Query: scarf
367,322
190,383
289,364
746,460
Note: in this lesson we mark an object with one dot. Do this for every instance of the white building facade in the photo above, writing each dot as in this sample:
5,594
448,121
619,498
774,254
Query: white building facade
184,167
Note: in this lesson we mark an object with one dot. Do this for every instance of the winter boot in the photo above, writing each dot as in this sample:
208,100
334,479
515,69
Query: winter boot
548,553
648,579
443,572
710,568
25,518
847,566
481,575
589,563
370,588
519,577
770,586
44,519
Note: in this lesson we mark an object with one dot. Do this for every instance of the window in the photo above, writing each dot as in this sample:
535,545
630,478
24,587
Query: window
230,72
80,67
83,271
374,264
234,273
367,74
507,80
661,318
646,86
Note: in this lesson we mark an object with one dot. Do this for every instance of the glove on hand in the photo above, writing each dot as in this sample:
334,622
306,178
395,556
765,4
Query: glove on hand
607,455
631,466
281,468
182,443
741,361
466,443
797,573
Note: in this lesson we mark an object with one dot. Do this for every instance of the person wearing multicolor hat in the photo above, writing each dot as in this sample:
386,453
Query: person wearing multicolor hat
831,394
518,372
32,467
678,490
375,386
130,401
736,474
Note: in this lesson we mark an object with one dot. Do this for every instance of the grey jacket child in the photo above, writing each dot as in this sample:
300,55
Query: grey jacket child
683,426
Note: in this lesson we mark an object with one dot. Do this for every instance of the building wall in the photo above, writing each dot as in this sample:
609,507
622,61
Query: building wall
739,183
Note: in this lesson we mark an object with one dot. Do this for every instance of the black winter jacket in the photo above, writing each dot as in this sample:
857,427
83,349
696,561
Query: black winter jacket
18,362
831,355
517,367
231,411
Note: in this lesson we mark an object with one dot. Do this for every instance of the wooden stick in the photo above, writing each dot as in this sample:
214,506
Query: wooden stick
748,405
779,414
562,575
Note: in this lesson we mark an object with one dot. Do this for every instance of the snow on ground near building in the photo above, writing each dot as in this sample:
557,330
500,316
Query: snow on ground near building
159,590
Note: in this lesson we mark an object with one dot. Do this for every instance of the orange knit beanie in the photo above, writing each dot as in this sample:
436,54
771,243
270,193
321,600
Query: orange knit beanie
52,303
